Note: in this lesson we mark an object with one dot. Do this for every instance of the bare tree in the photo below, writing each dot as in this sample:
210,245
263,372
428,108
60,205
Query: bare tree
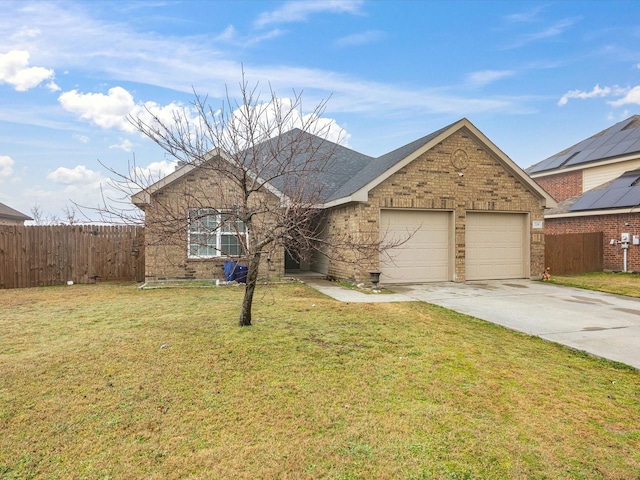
256,177
70,216
41,218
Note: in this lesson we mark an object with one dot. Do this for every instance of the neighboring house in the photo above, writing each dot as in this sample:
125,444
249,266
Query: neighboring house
596,183
9,216
471,214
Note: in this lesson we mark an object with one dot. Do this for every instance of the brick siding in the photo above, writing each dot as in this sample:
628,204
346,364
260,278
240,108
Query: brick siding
611,226
562,185
166,221
430,182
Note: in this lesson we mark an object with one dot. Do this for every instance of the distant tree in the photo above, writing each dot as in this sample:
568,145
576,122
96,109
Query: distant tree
262,161
71,214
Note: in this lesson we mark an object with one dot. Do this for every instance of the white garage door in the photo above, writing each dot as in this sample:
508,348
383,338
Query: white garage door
496,246
425,257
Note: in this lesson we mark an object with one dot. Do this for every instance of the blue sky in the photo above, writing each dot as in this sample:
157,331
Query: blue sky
535,77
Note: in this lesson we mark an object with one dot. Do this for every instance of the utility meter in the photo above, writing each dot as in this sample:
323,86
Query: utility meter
625,237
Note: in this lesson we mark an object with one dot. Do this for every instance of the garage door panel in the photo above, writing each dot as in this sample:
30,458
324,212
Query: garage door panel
425,255
495,246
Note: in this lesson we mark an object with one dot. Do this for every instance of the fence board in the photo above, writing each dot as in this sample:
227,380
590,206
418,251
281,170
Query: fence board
574,253
52,255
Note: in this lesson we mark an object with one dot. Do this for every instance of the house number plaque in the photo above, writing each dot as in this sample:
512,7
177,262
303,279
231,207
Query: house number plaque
459,159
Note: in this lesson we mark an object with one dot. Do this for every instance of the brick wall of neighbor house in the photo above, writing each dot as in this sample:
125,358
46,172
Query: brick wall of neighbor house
562,185
611,227
166,239
431,182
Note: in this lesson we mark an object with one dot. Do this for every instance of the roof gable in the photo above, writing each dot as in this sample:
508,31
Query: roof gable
383,167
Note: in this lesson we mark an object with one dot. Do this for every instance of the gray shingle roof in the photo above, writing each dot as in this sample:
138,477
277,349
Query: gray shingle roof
337,174
349,170
8,212
378,166
344,164
622,138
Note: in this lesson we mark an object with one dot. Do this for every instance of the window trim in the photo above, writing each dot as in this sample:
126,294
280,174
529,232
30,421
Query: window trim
222,229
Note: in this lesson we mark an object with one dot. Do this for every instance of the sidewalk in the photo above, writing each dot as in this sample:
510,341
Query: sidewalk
350,295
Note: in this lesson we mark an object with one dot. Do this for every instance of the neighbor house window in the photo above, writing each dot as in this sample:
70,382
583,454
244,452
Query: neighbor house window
215,234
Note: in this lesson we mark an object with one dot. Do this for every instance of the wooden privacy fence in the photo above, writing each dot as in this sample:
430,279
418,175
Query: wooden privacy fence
53,255
574,253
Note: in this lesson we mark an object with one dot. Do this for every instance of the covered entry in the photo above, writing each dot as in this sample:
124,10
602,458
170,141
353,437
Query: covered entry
496,244
426,254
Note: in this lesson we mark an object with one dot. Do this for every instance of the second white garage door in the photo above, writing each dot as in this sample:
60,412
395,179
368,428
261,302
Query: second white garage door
495,246
425,257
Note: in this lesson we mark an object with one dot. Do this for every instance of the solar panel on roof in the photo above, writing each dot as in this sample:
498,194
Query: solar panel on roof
626,180
616,140
598,153
631,199
549,163
585,202
618,137
557,161
621,148
609,199
580,157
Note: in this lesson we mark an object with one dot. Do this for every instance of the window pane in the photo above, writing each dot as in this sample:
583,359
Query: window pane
230,245
210,222
202,245
203,219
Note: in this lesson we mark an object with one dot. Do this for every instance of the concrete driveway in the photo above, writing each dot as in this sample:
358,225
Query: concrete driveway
604,325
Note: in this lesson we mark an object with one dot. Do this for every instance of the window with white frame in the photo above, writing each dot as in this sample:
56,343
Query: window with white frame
215,234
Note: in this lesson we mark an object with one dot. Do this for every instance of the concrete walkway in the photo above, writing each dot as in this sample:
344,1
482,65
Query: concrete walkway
602,324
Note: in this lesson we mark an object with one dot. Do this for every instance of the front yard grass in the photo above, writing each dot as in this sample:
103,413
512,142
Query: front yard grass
619,283
106,381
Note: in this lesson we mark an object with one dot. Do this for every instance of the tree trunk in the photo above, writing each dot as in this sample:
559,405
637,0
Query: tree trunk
252,278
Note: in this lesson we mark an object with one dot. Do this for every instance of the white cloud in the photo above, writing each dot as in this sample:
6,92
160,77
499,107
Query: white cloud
120,52
267,116
485,77
79,175
106,111
525,17
80,138
357,39
15,71
230,36
555,30
27,32
631,96
6,166
151,173
125,145
296,11
596,92
114,109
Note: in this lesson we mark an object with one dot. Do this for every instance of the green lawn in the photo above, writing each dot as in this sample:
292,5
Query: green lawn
620,283
107,381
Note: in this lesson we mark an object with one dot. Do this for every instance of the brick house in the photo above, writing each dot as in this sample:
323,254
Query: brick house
596,185
466,210
9,216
